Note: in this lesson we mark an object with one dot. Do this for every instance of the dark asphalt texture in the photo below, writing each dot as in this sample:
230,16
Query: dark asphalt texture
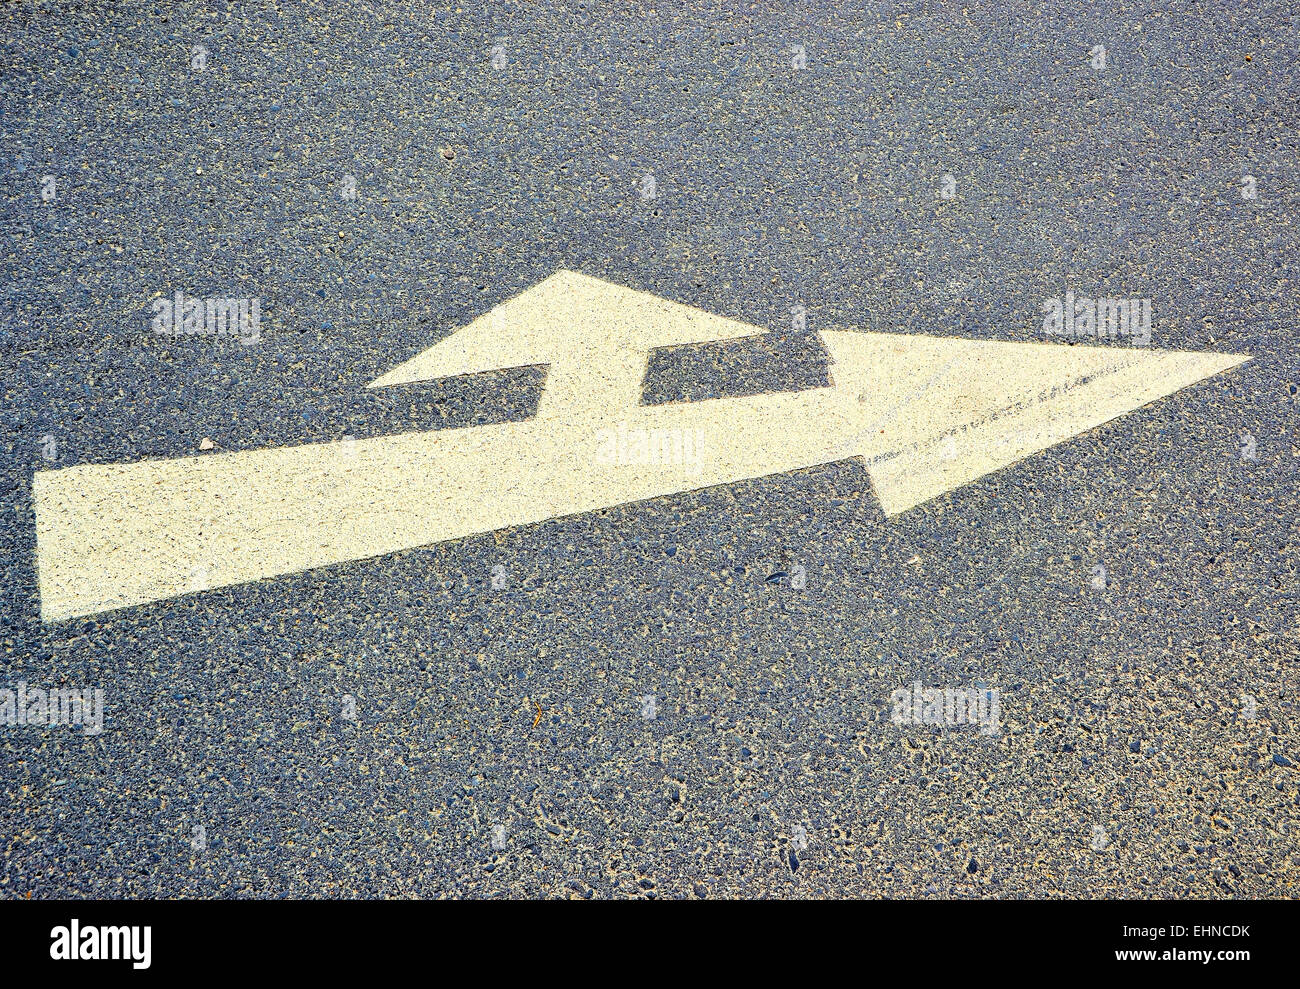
1129,762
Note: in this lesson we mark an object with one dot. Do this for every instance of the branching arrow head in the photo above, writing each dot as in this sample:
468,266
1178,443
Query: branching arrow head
595,336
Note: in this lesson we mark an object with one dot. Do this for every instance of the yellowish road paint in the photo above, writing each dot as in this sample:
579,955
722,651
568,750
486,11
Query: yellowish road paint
926,414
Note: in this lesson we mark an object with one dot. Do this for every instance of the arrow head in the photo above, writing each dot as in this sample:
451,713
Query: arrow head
935,413
588,330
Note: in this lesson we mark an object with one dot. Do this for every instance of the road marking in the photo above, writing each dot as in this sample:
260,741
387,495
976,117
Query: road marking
114,535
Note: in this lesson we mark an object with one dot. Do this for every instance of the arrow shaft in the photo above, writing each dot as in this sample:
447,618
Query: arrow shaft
109,536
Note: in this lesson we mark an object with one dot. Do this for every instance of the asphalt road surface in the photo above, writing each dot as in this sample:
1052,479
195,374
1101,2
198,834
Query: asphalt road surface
692,695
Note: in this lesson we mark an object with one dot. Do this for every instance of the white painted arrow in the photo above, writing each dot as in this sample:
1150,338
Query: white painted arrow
927,414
